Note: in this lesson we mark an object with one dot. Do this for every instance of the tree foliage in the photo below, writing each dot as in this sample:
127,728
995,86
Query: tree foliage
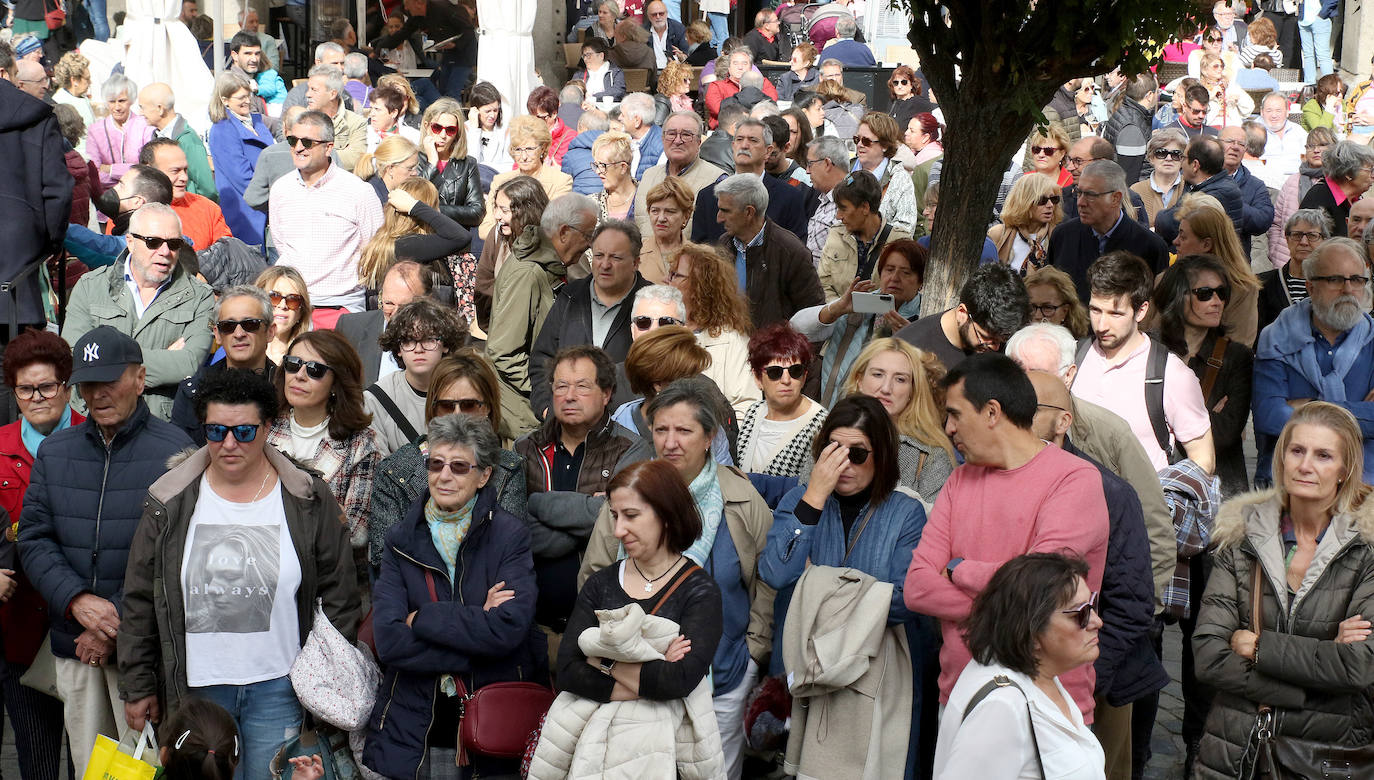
993,66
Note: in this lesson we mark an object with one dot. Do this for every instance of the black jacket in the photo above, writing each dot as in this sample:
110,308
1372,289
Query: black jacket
460,189
1273,297
780,278
1320,197
363,329
786,207
35,195
1129,131
763,48
569,323
1073,247
717,150
184,403
82,508
1220,186
1231,394
441,21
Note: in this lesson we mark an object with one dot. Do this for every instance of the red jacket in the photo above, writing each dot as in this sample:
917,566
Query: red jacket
24,618
87,186
561,136
722,88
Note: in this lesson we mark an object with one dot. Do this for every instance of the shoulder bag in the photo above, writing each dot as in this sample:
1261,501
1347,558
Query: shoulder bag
1003,681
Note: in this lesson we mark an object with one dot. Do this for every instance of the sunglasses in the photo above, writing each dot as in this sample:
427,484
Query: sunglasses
1048,151
308,143
1047,199
242,433
450,130
294,302
1215,40
796,371
1205,294
154,243
644,322
859,455
1169,154
314,369
447,406
457,467
901,82
249,325
861,141
1083,612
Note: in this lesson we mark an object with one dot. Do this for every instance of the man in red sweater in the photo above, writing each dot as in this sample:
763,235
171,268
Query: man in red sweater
1014,494
202,221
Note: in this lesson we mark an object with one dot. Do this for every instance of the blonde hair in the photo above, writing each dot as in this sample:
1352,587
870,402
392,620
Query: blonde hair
618,143
269,276
528,129
380,251
392,151
1017,211
72,65
1351,491
401,83
674,189
227,84
921,419
1207,220
672,76
442,106
1053,134
698,32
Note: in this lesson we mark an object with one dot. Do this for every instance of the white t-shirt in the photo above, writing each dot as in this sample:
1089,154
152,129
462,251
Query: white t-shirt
239,577
770,436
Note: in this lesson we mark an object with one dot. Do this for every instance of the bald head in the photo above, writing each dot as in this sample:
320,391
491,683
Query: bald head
1361,215
158,104
31,78
1053,413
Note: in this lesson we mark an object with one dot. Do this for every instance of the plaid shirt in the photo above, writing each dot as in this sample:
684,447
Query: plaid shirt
347,466
1193,497
321,230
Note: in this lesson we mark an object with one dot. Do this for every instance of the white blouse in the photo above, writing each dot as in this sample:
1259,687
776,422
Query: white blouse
995,739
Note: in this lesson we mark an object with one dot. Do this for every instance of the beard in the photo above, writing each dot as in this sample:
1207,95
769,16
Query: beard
1343,313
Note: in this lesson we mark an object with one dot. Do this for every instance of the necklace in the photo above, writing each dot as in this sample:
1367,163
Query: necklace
262,486
649,583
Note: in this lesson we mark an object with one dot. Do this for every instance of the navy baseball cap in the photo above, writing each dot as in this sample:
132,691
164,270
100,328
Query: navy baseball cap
102,355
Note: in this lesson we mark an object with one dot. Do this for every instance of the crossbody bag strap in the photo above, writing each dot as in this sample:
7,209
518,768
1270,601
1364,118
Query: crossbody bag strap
395,411
1214,365
849,548
681,577
1003,681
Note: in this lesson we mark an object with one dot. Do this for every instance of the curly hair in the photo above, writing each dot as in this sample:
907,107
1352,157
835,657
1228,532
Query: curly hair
37,346
380,251
779,341
347,416
673,189
923,418
72,65
423,318
713,298
235,387
471,364
662,356
1077,319
674,74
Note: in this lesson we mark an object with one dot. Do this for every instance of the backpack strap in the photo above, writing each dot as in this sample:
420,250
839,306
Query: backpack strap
1154,395
1003,681
393,411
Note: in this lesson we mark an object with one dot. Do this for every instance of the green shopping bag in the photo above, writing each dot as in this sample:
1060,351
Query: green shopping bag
133,758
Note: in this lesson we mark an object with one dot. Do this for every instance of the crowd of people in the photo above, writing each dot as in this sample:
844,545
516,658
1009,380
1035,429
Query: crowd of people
628,398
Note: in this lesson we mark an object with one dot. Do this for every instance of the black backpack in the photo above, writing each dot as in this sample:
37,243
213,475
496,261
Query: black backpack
1154,392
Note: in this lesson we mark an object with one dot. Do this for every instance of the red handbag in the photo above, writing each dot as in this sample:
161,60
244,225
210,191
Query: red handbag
55,17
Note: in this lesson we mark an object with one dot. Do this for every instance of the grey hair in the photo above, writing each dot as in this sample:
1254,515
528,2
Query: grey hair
320,120
764,108
466,430
615,6
1318,218
696,118
845,27
1344,159
742,51
831,148
750,79
1164,137
570,93
661,293
1274,96
333,78
152,210
825,63
1256,136
593,120
745,189
1330,245
571,208
247,291
1058,335
640,104
326,47
118,84
355,65
686,391
749,121
1112,176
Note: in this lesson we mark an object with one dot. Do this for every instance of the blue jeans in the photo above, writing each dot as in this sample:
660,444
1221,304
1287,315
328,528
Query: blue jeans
267,715
1316,49
100,23
720,29
674,9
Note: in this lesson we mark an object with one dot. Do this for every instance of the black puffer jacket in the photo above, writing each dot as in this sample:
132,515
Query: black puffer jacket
1320,689
460,190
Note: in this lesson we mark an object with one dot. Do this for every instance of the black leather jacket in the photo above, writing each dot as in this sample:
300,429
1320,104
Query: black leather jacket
460,190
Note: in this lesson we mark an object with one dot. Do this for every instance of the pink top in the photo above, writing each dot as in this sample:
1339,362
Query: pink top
1178,52
1121,388
107,144
1336,191
988,516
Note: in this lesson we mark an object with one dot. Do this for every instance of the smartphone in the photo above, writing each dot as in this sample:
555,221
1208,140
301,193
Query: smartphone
873,303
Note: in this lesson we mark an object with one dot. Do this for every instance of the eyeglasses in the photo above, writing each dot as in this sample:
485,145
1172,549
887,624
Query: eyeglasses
449,130
1090,194
155,243
465,405
308,143
674,277
900,82
294,302
644,322
1304,236
242,433
810,163
861,141
1083,612
1048,310
1051,406
575,388
796,371
525,150
457,467
1045,200
679,135
601,167
1234,143
420,345
1169,154
1080,161
249,325
44,391
1048,151
1336,282
314,369
1215,40
1205,294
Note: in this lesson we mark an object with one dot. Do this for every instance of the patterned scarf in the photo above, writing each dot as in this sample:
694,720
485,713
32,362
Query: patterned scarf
448,529
710,503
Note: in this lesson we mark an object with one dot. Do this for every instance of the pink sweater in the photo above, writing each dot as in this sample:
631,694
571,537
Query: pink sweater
989,516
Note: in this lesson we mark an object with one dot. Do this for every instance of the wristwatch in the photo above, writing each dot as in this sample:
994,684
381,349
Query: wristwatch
606,666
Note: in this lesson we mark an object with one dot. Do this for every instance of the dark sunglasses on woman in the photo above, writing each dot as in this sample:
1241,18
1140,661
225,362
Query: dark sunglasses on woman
465,405
1205,294
243,434
1083,613
1169,154
1047,199
774,373
314,369
438,129
294,302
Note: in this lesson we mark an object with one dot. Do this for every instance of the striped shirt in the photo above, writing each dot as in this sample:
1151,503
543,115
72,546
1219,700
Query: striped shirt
320,231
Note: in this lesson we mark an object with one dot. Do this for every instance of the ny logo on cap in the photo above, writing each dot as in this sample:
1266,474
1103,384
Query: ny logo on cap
92,353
